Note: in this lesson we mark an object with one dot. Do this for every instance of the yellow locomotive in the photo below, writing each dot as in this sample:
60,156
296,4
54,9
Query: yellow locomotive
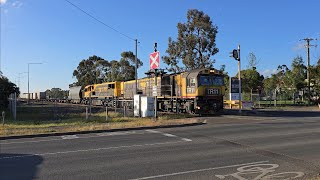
198,91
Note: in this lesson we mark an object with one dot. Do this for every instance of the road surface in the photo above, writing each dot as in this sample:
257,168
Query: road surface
274,145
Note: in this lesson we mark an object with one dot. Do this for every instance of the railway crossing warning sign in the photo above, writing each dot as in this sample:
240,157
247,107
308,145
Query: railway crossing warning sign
154,60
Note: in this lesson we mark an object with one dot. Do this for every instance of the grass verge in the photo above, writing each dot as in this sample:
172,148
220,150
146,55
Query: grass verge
96,122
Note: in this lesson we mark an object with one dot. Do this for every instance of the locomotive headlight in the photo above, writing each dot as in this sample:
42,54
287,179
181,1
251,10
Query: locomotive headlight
197,107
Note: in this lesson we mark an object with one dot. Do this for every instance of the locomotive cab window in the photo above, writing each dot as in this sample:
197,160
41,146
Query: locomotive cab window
191,82
110,86
206,80
218,81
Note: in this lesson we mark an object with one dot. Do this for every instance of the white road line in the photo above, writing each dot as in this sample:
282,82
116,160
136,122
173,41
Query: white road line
169,135
186,139
153,131
116,133
70,137
5,142
21,142
198,170
88,150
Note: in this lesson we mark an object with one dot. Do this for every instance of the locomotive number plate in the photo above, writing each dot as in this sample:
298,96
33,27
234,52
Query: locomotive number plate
212,91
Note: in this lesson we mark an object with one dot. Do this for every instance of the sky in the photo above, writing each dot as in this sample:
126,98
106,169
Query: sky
59,36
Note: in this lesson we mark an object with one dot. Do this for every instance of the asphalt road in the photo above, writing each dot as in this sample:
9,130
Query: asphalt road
271,145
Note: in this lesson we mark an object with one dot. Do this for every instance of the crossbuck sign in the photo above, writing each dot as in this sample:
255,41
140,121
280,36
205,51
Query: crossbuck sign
154,60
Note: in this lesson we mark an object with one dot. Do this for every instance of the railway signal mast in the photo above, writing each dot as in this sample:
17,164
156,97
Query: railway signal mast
236,55
154,64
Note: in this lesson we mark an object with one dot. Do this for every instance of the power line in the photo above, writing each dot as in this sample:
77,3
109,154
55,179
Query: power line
106,25
101,22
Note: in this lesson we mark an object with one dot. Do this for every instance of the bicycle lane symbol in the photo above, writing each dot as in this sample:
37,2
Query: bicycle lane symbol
261,172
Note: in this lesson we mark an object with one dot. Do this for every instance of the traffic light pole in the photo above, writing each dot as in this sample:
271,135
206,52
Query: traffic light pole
239,77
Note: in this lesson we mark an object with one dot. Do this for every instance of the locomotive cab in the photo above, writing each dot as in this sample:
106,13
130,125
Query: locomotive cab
204,91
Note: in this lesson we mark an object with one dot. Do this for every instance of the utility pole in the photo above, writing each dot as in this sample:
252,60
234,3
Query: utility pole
308,65
136,65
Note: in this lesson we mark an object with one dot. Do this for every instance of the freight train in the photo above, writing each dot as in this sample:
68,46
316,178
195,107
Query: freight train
198,91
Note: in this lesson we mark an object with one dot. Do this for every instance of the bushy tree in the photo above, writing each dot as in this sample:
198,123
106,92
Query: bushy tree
90,71
315,79
122,70
97,70
195,43
6,88
250,79
270,84
298,73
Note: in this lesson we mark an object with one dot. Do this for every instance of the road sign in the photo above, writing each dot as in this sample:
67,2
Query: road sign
234,85
234,89
154,60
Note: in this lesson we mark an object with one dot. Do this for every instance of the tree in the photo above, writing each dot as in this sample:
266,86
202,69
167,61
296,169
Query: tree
96,70
292,80
122,70
90,71
270,84
195,43
252,61
315,80
127,65
6,88
226,79
250,79
298,73
113,72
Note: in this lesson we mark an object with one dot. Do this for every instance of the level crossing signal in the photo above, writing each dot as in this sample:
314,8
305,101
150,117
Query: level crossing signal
235,54
154,60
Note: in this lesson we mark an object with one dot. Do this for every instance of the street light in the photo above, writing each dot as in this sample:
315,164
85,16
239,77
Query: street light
28,80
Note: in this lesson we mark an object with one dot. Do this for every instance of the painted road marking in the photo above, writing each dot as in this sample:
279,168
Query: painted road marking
21,142
261,171
198,170
70,137
5,142
186,139
169,135
153,131
117,133
88,150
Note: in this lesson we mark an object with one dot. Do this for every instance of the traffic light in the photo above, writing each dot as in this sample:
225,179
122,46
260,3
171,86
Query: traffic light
235,54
